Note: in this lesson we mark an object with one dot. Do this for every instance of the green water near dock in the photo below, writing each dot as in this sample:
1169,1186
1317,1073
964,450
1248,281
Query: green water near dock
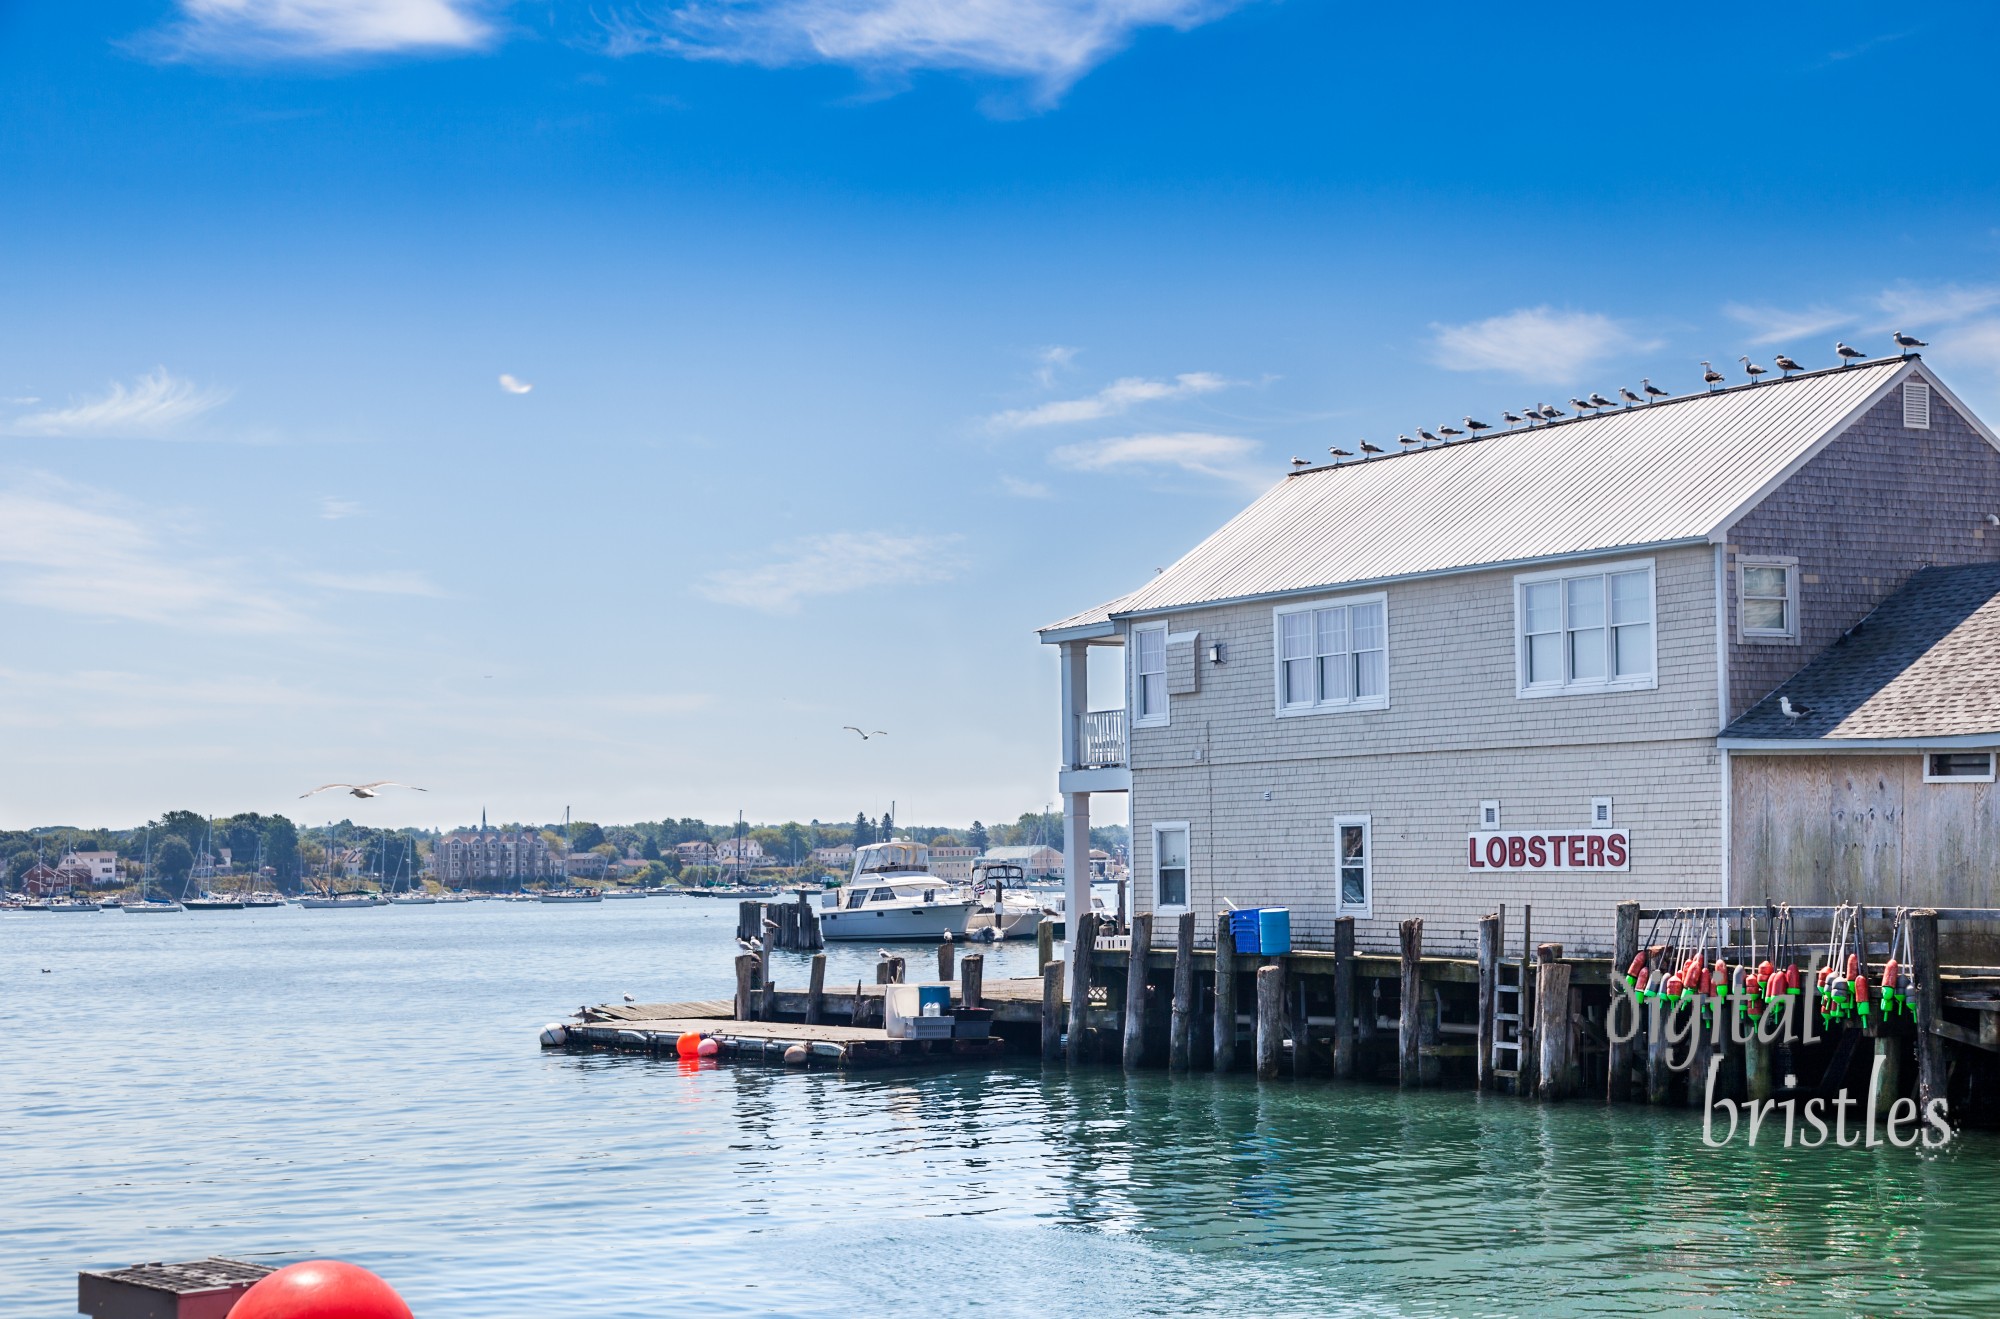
366,1084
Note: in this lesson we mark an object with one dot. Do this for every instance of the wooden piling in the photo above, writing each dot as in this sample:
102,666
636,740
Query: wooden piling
1489,998
816,989
1343,997
1409,1023
746,973
1270,1020
946,972
1932,1075
855,1014
1225,995
1624,947
1554,1032
1052,1009
1135,990
972,980
1890,1050
1301,1032
1082,951
1180,1024
1045,943
1430,1011
885,971
1658,1013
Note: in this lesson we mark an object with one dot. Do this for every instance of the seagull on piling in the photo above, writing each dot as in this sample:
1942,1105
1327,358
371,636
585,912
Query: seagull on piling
1785,364
1848,355
1509,417
1598,400
1793,712
1366,447
1751,369
1653,391
1710,376
1908,341
750,945
1404,439
1629,397
1476,426
364,789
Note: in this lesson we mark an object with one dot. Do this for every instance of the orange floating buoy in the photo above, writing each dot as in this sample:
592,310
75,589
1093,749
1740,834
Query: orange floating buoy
321,1289
689,1044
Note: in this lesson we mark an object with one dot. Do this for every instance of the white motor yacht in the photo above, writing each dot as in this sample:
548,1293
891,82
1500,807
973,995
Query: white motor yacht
571,895
893,895
1007,909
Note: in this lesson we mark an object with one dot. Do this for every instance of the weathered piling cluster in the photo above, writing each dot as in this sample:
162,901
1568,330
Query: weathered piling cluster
790,925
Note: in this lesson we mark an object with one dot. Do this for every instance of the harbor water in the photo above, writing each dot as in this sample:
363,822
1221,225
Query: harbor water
281,1084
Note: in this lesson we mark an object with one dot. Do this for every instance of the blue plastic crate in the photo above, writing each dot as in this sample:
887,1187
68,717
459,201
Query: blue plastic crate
1274,931
1243,925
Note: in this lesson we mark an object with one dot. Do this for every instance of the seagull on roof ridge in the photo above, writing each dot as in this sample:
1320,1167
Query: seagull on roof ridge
1366,447
1751,369
1847,355
1785,364
1298,462
1629,397
1404,439
1550,413
1581,405
1338,452
1652,390
1476,426
1907,342
1450,432
1710,376
1598,400
1427,435
1509,417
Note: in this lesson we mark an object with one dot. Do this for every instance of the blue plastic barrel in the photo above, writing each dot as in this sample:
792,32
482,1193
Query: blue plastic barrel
1274,931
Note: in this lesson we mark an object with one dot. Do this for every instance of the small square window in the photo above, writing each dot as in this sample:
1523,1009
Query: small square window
1767,599
1958,767
1489,815
1600,811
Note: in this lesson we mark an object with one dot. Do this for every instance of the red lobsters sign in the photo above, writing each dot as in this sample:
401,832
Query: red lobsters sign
1579,849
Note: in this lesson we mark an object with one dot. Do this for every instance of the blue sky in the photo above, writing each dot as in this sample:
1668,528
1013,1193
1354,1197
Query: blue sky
861,336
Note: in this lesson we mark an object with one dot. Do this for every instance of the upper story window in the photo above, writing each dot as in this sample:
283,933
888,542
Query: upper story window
1958,767
1767,599
1585,630
1356,865
1170,865
1149,674
1333,657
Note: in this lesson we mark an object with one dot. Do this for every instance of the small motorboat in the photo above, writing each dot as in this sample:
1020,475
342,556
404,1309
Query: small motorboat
624,894
73,903
340,901
213,902
150,906
571,895
893,895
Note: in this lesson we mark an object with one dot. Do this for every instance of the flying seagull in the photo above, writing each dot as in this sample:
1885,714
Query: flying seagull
1629,396
1710,376
1793,711
873,732
1598,400
364,789
1653,390
1786,364
513,385
1908,341
1366,447
1847,354
1751,369
1476,426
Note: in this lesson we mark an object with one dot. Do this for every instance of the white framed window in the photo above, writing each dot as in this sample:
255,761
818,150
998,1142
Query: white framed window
1600,812
1958,767
1354,855
1149,675
1332,656
1170,866
1489,815
1585,630
1767,599
1916,405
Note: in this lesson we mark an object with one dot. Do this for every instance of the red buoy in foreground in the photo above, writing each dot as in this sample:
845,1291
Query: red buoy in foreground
321,1289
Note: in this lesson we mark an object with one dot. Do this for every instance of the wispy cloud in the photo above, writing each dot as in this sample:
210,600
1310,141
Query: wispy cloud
1913,306
266,29
833,564
1223,457
390,581
156,404
333,508
1048,44
1535,343
1051,361
1116,398
81,551
1020,489
1782,325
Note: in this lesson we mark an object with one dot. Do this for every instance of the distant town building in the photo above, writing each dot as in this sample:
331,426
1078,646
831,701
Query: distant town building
43,880
474,855
740,851
698,853
953,865
102,867
584,865
1039,861
840,859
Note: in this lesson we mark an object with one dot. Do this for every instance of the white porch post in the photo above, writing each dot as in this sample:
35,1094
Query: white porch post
1076,858
1075,697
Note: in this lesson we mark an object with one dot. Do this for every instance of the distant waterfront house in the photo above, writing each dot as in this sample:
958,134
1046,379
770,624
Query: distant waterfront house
951,864
102,867
1544,665
584,865
43,880
699,853
744,851
839,860
474,856
1039,862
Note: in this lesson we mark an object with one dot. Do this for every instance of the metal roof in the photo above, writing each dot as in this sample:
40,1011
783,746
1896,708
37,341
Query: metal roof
1673,472
1924,664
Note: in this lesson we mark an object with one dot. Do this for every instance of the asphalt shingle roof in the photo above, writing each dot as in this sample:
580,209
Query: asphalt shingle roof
1926,663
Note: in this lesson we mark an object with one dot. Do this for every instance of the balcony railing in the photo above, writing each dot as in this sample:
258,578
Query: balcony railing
1100,740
